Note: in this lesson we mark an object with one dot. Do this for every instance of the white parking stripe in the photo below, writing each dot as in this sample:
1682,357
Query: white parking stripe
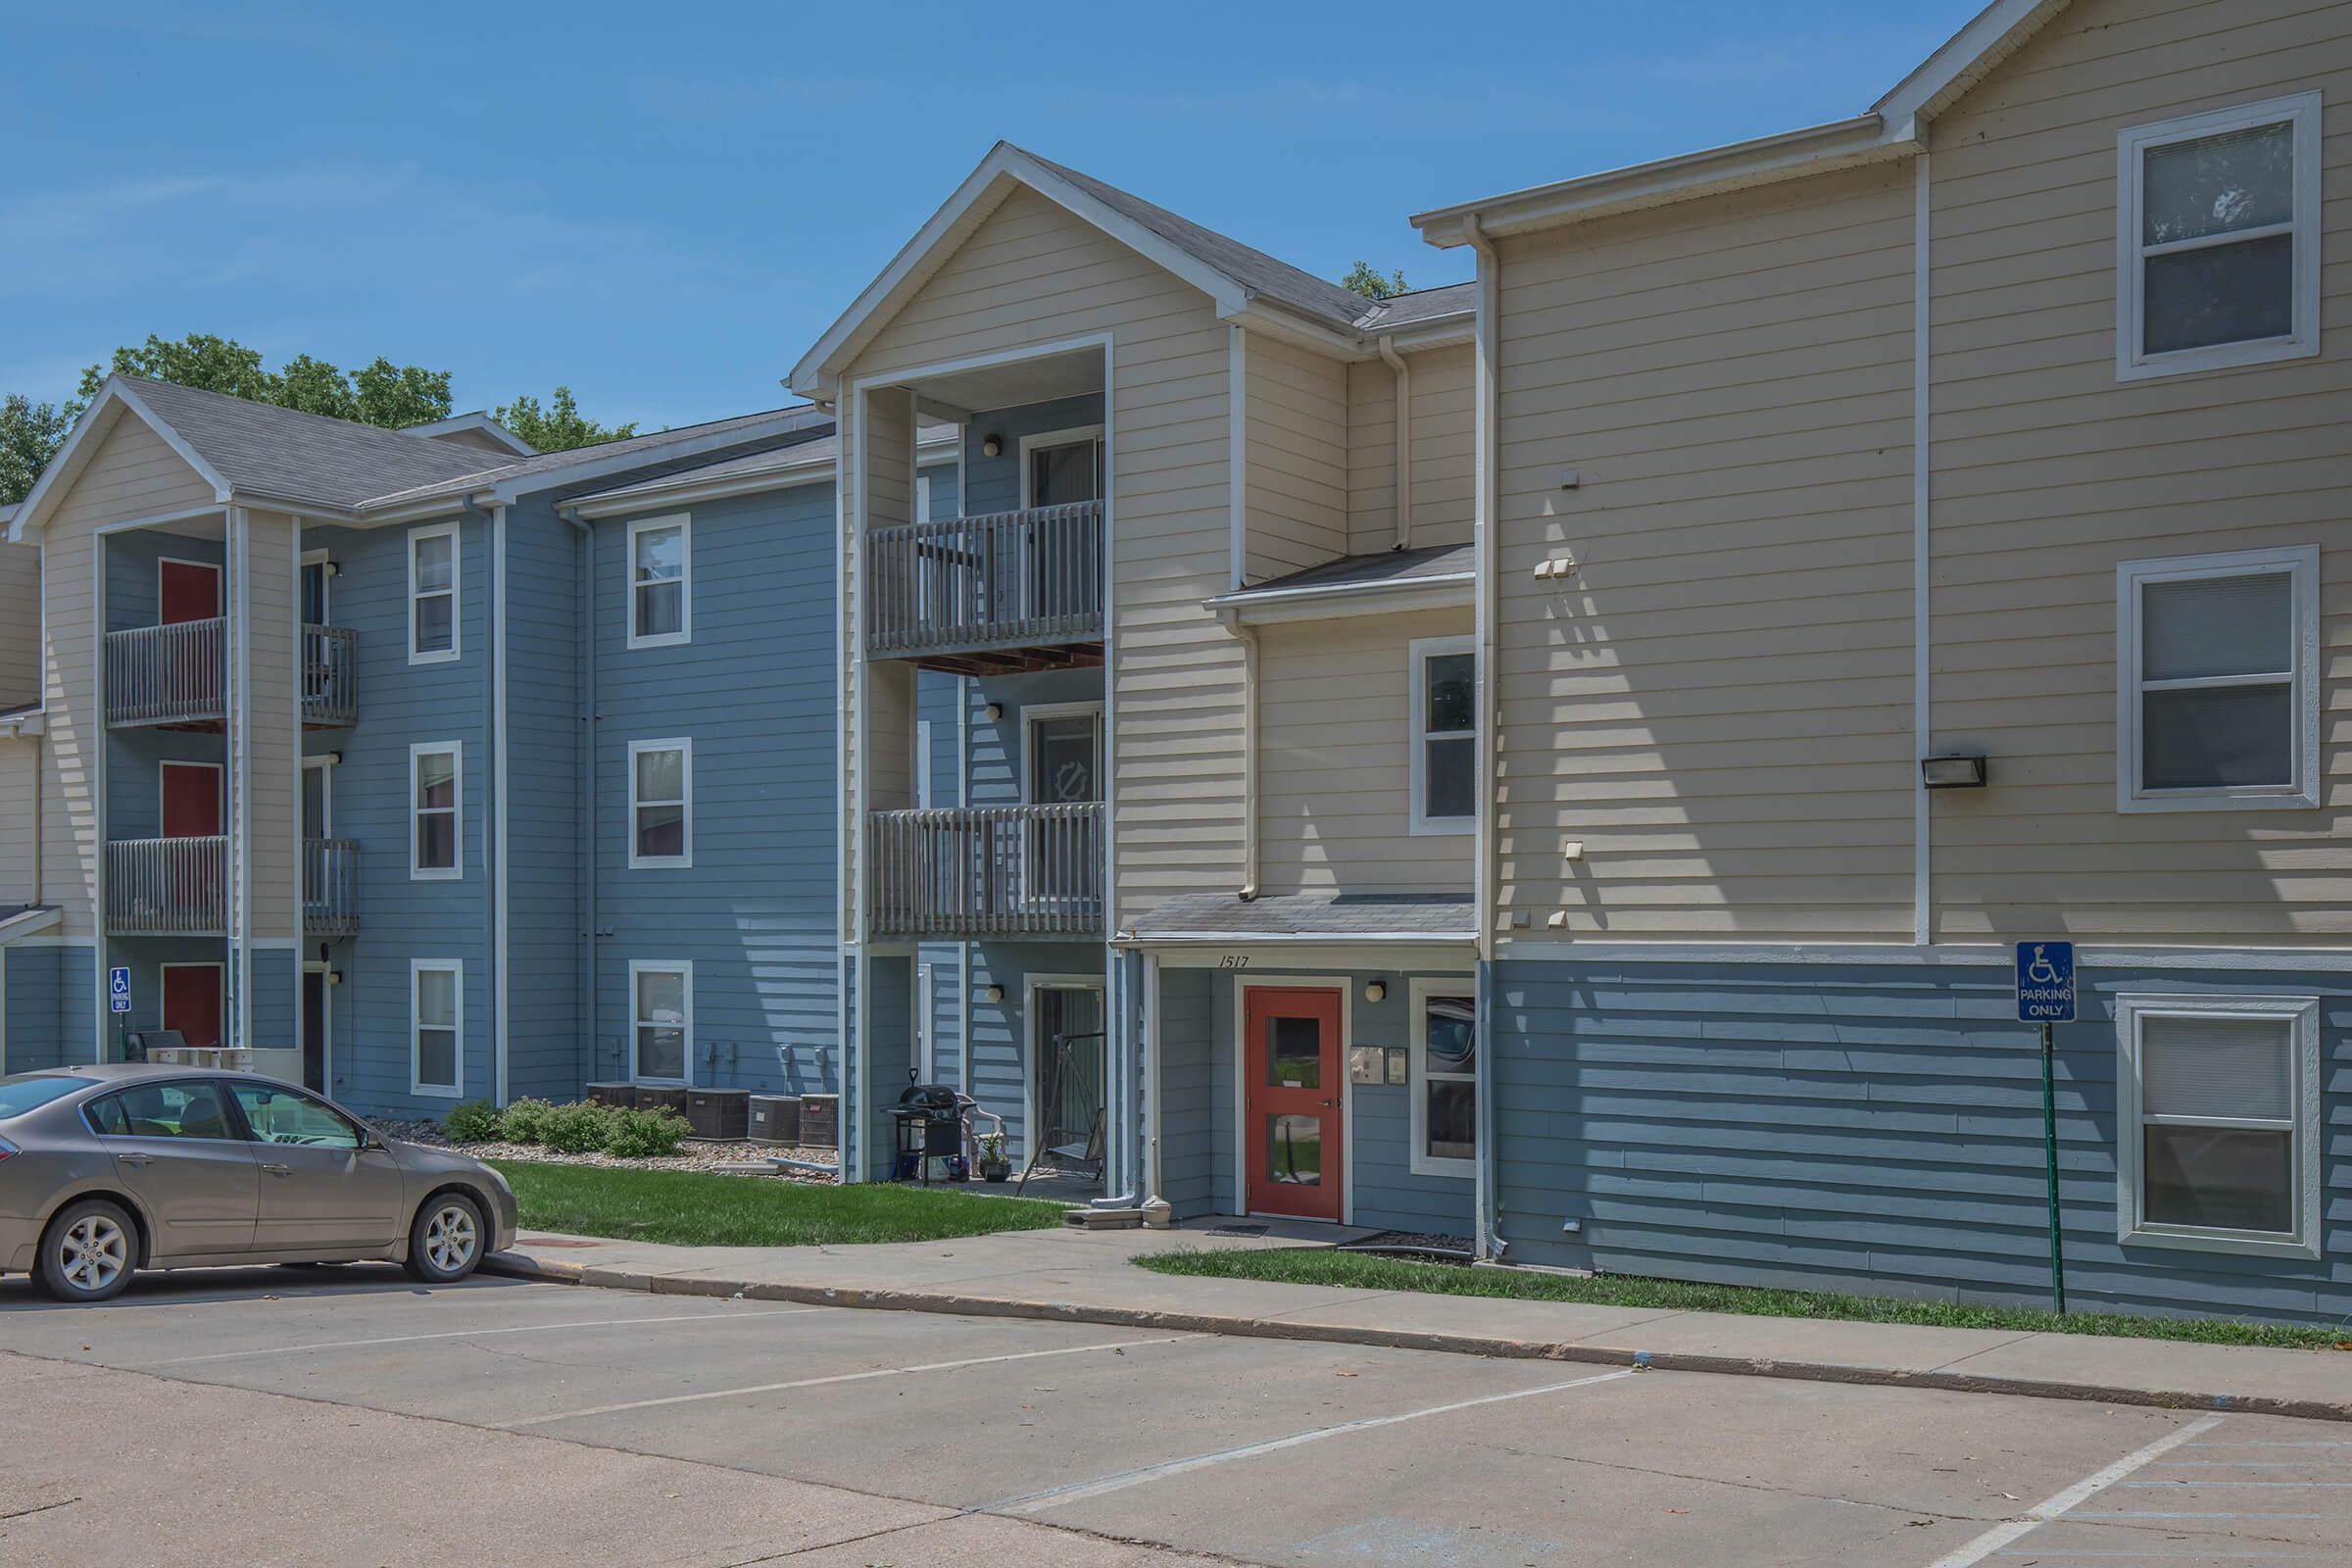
2001,1535
748,1314
1079,1491
839,1377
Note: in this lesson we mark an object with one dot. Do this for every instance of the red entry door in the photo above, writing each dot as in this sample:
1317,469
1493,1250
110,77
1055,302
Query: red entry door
1290,1107
188,590
192,1001
191,800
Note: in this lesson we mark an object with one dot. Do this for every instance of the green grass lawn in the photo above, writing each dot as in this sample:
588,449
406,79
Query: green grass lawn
1365,1272
695,1208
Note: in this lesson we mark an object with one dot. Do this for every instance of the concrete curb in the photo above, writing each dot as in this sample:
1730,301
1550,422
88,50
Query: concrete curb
515,1265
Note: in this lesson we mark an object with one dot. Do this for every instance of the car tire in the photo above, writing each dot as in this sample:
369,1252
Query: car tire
445,1240
87,1253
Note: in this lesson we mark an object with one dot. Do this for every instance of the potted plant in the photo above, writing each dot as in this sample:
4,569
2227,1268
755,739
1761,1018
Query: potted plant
994,1166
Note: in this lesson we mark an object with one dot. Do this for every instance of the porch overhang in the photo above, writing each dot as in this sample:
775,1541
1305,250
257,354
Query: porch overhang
1309,926
1388,582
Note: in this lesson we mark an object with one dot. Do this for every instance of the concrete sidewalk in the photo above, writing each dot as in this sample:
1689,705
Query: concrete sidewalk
1087,1277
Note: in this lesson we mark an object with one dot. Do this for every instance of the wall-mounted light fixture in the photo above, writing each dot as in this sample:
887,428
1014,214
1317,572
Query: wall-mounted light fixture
1376,991
1953,772
991,992
334,977
992,446
993,711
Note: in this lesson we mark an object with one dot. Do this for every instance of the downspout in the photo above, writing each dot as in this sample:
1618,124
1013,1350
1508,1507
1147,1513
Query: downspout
1489,1244
1248,639
586,1004
1404,439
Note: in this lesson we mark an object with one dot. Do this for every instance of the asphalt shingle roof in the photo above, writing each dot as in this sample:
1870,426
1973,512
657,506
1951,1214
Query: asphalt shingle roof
1437,916
1421,305
820,449
1383,566
553,462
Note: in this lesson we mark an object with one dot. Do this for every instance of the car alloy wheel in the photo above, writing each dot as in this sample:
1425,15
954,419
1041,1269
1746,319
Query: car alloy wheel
449,1238
92,1254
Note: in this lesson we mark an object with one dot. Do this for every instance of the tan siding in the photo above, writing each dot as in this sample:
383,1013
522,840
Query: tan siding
2048,471
275,744
1296,404
1444,433
20,625
1333,720
1029,275
20,798
130,473
1716,707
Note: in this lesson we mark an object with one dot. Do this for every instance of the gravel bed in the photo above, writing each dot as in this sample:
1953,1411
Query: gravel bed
695,1154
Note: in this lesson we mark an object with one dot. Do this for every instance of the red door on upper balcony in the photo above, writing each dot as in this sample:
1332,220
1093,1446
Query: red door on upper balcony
191,800
186,590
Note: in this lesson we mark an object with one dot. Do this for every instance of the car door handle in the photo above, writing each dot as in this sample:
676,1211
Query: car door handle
134,1160
279,1170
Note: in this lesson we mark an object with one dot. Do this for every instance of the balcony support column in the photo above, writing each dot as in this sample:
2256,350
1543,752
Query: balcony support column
263,752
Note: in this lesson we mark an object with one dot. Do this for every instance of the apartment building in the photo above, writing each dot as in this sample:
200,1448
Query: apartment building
423,765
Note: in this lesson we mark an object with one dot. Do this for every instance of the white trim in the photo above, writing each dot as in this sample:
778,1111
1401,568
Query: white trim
684,522
1243,985
162,769
500,485
416,1084
456,750
457,587
1418,652
1922,814
2303,1124
477,421
1075,435
1035,711
1420,991
684,969
1032,1077
2302,790
325,765
1237,436
304,562
220,990
2284,960
2133,362
684,746
96,422
20,927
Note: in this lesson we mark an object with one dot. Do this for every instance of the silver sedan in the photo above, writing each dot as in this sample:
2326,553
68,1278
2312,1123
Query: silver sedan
108,1169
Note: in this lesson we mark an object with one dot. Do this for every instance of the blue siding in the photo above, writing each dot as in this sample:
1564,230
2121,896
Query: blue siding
132,596
48,994
548,1050
999,1036
1872,1128
996,482
276,998
1191,1178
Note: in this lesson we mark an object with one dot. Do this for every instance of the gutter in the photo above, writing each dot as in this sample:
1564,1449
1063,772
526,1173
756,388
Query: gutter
1403,374
1434,590
1485,911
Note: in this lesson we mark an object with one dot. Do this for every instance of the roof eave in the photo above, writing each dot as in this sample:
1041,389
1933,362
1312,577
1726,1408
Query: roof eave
113,399
1265,607
684,489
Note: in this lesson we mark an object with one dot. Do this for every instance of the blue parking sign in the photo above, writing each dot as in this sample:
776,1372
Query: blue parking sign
118,988
2045,982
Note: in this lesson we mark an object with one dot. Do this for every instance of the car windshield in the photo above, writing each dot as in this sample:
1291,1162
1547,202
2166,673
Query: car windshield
27,1092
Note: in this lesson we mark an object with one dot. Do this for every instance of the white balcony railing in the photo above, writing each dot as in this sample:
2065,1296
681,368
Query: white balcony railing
168,887
989,870
178,673
1009,580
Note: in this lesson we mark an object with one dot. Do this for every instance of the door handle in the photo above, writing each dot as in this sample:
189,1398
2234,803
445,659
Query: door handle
134,1160
279,1170
1328,1105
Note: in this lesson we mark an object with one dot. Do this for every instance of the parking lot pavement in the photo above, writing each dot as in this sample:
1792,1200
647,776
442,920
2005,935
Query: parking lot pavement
547,1418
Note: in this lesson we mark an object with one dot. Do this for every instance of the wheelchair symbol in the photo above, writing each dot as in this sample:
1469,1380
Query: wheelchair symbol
2041,971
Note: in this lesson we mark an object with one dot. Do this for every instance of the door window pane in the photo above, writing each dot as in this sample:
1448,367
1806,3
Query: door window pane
1064,765
314,593
1294,1150
1452,1118
661,1023
165,1110
277,1116
1294,1054
1059,476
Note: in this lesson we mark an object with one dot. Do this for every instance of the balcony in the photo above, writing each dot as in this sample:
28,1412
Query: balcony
176,677
179,887
989,595
987,871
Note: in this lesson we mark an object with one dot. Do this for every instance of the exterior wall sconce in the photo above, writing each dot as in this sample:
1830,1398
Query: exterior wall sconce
993,711
992,446
1952,772
334,977
1376,991
991,992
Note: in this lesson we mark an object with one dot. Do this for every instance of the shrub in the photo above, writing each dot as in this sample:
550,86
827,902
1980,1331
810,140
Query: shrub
524,1121
577,1129
637,1134
475,1121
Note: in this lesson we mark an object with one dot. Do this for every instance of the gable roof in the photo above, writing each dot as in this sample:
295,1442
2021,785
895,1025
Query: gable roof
1246,284
476,422
1895,126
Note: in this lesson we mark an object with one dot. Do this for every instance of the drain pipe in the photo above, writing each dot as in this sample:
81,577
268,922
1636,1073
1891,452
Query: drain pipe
1122,1063
1248,639
587,980
1404,439
1491,1244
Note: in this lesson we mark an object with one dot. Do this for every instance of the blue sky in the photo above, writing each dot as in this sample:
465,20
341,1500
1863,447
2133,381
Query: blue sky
664,206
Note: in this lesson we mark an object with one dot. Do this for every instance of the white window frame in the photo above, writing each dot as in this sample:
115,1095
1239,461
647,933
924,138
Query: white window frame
2302,1013
456,586
324,562
324,766
1418,652
418,967
1061,438
1035,712
2131,361
457,811
2302,791
1419,994
684,746
684,969
683,522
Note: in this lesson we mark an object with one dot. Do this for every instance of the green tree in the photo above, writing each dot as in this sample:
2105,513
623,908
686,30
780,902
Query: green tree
1364,279
30,435
560,426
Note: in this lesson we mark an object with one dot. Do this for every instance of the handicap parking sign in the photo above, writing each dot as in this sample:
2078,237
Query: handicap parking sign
118,988
2045,982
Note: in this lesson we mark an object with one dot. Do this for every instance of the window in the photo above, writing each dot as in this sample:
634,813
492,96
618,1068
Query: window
1443,1080
1061,467
662,1019
437,1027
436,786
2218,239
2220,1123
2216,675
661,802
661,610
283,1117
434,594
1062,761
1444,737
191,1110
316,571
